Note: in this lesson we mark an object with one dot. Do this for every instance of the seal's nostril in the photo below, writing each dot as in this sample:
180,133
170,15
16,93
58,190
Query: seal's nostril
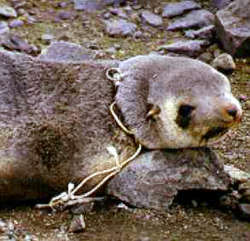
232,112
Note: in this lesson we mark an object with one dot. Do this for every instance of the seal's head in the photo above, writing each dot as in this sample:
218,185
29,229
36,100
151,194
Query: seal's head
175,102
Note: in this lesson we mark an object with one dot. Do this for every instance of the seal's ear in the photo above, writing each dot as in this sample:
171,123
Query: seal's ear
132,100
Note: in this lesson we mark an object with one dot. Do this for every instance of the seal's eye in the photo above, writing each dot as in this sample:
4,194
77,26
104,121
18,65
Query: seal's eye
184,115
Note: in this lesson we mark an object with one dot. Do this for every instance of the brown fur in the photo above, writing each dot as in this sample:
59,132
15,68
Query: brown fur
55,124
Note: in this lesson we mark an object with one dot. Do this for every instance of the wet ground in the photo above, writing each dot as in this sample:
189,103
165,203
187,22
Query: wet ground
194,220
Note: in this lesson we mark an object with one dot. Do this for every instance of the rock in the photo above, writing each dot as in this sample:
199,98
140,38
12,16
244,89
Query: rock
63,51
16,23
7,11
203,33
244,189
119,12
47,38
4,27
248,105
151,18
219,4
194,19
14,42
77,224
224,63
94,5
64,15
120,27
175,9
190,48
154,178
206,57
244,209
233,28
236,174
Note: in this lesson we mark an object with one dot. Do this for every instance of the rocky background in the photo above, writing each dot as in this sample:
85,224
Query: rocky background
215,31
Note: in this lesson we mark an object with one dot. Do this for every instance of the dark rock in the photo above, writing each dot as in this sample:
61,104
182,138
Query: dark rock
203,33
94,5
175,9
14,42
244,209
119,27
64,15
154,179
119,12
244,189
233,28
63,51
62,4
151,18
194,19
219,4
224,62
190,48
7,11
16,23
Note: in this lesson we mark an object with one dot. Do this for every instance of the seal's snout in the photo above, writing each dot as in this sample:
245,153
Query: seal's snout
232,114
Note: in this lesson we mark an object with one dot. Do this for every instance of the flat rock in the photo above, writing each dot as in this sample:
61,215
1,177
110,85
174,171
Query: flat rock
94,5
151,18
190,48
236,174
175,9
154,178
15,42
233,28
203,33
219,4
7,11
64,51
119,27
194,19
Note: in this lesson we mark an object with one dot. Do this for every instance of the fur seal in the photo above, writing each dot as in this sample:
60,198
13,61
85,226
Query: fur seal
55,123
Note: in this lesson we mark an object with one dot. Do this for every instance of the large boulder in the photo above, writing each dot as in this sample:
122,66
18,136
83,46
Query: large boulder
233,28
155,178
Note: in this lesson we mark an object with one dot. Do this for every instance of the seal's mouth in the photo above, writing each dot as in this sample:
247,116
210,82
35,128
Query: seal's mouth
215,132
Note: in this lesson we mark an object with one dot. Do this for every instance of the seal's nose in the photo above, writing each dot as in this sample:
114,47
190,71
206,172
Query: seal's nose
233,113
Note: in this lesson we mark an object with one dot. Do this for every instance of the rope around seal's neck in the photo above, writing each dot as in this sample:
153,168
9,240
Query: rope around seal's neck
67,199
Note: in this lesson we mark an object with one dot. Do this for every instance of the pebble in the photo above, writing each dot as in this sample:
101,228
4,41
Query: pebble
248,105
7,11
16,23
119,12
190,48
77,224
62,4
14,42
47,38
242,98
175,9
120,28
151,18
224,62
64,15
194,19
206,57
